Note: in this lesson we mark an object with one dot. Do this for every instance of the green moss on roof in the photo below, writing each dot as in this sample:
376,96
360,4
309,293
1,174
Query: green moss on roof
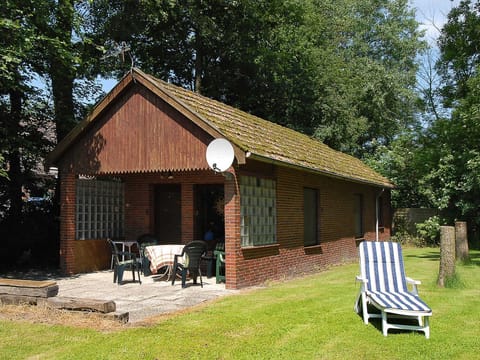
272,141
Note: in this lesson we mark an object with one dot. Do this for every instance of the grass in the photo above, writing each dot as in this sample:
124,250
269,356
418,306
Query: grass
308,318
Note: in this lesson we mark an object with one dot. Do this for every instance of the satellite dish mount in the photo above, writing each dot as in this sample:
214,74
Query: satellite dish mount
220,156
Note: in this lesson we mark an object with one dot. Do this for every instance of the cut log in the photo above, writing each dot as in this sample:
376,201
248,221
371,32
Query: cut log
32,288
18,299
120,316
69,303
461,241
447,255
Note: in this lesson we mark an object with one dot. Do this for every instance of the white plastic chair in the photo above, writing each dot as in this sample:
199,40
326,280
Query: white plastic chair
384,286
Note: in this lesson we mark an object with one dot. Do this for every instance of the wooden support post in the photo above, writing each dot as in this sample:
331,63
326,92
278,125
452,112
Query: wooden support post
461,241
447,254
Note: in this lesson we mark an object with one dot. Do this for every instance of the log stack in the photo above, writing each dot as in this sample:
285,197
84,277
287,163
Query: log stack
44,292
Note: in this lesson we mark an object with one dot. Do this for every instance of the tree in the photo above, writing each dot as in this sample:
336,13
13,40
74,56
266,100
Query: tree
37,42
402,163
343,72
451,154
22,112
459,45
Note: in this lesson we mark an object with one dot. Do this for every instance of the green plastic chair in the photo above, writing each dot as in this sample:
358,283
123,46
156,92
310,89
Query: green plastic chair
130,262
192,254
219,254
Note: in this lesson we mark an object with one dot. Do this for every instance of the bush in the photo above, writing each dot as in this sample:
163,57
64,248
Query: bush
429,231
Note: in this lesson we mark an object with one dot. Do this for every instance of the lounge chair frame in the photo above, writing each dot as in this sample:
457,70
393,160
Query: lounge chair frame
385,287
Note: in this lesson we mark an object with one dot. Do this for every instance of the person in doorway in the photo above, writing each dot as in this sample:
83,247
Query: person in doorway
209,237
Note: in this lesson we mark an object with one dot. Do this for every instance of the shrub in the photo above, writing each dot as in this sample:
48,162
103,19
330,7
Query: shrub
429,230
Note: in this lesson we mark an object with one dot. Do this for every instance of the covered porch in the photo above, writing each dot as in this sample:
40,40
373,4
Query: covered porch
175,207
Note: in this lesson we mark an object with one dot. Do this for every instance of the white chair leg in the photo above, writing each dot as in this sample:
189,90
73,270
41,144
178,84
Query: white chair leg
384,323
427,327
365,309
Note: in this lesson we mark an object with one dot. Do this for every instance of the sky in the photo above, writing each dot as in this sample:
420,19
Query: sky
432,14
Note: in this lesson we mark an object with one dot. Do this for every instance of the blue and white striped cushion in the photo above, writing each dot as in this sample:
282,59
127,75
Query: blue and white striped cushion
399,301
382,265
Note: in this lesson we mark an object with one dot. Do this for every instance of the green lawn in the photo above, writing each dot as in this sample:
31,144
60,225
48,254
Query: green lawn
308,318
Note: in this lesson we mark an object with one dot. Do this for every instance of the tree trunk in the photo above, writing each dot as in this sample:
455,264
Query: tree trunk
198,62
13,157
461,241
62,72
447,255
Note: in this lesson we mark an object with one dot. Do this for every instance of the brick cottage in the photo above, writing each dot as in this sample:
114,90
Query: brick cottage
290,204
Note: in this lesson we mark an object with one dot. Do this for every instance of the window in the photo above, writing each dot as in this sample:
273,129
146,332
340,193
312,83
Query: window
99,209
310,217
258,211
358,215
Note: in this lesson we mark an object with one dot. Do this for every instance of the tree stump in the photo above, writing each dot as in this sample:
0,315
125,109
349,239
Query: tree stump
447,254
461,241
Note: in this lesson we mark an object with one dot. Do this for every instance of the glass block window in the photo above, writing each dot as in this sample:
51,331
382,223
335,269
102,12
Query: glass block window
99,209
258,211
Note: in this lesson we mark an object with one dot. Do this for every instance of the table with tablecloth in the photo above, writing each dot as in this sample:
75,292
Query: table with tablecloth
162,256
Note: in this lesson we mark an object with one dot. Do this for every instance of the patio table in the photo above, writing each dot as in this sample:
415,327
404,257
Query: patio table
162,257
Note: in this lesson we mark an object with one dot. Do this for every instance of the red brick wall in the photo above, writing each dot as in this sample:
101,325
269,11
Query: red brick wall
248,266
67,222
336,231
139,207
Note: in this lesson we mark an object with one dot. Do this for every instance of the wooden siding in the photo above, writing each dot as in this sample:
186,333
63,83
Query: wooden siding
140,133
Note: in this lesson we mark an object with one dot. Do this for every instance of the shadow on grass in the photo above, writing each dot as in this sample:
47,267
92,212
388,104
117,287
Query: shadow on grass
377,322
432,256
435,256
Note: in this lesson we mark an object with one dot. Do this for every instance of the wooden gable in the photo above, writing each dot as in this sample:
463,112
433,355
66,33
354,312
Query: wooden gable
139,132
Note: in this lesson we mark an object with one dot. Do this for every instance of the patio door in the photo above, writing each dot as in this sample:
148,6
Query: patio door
209,212
168,213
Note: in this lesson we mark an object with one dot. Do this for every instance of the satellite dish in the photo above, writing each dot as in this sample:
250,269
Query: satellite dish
220,155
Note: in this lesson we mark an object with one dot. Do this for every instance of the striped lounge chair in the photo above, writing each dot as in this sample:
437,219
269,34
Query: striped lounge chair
384,287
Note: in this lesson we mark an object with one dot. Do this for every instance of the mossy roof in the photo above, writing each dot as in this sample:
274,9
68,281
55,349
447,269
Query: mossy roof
251,136
270,141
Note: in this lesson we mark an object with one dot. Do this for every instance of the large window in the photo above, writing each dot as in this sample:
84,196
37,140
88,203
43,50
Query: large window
258,211
310,217
99,209
358,215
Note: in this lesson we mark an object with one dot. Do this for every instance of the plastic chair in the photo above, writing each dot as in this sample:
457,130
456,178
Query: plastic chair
384,287
219,254
130,262
192,254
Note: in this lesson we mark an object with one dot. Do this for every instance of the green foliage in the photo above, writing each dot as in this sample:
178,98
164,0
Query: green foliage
459,42
402,163
429,231
451,154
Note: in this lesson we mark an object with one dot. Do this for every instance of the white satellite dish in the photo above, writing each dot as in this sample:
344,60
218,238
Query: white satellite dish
220,155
